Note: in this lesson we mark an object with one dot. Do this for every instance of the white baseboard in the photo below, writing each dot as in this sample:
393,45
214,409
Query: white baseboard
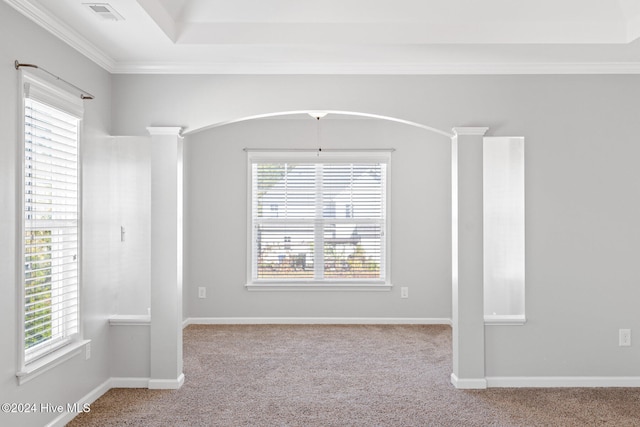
315,321
555,382
116,382
129,382
62,419
468,383
166,384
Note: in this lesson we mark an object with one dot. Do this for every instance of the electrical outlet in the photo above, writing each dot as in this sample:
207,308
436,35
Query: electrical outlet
202,292
624,336
404,292
87,351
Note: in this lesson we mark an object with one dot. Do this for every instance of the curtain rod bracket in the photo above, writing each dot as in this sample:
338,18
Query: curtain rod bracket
83,93
18,65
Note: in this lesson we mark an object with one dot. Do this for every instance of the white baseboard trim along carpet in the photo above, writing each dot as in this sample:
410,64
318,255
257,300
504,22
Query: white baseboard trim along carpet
315,321
543,382
115,382
66,416
555,382
129,382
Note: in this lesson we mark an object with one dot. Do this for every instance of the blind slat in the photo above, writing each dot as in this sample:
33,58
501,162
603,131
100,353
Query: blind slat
33,140
68,296
40,122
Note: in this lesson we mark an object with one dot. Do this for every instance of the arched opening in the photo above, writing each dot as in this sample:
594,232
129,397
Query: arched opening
217,215
331,112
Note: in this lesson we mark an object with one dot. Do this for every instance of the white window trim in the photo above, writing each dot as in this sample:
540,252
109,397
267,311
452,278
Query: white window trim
327,155
42,365
47,91
335,286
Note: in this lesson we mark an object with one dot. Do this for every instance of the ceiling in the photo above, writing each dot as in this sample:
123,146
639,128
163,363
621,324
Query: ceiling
350,36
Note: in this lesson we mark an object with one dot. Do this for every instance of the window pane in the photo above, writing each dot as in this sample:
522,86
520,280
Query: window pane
50,229
352,251
353,190
285,251
285,190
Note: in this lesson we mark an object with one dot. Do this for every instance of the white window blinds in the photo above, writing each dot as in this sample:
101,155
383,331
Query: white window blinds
319,219
51,226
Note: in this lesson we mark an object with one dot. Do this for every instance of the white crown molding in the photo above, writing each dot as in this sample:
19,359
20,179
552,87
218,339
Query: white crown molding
63,32
377,68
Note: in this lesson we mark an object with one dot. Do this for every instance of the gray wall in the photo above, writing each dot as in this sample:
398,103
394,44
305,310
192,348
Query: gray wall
131,208
582,229
216,220
70,381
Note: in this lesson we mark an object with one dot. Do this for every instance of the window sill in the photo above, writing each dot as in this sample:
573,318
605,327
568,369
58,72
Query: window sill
318,287
130,320
52,360
505,320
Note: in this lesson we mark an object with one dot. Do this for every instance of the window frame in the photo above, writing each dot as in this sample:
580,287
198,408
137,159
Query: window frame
47,92
317,156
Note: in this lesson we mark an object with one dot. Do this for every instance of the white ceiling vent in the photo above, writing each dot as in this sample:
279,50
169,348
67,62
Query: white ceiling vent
105,11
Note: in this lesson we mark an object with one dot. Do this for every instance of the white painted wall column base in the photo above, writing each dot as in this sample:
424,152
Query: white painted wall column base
468,384
167,384
166,258
467,258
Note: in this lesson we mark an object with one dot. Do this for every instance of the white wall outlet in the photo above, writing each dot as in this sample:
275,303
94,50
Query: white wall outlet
87,351
202,292
404,292
624,336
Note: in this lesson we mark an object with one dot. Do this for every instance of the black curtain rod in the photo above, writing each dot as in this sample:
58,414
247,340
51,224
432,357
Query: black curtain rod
83,93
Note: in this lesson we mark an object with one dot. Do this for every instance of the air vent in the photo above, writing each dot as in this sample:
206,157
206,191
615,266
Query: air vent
104,10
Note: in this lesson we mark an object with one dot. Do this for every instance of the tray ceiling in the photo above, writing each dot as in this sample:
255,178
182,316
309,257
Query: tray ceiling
349,36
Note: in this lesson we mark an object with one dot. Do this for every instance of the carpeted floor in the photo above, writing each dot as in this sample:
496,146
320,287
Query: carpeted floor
298,375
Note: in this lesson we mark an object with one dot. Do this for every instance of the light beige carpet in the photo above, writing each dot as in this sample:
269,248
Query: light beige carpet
343,376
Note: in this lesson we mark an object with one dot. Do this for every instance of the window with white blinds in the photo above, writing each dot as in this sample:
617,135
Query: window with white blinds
318,219
50,223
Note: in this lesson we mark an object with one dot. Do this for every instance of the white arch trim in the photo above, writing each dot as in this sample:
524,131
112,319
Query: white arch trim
346,113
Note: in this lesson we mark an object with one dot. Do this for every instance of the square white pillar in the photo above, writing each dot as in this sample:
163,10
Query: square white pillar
467,258
166,258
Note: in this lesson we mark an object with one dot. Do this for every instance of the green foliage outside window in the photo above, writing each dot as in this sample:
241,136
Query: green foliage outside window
37,287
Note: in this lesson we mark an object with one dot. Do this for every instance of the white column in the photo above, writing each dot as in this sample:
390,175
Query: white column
467,258
166,258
